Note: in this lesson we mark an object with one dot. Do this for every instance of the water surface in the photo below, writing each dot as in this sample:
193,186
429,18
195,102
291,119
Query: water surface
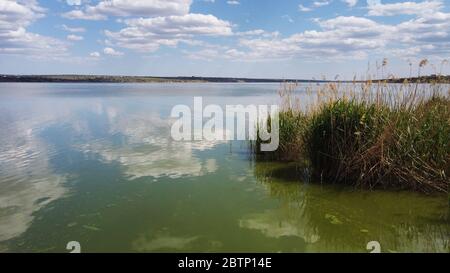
95,163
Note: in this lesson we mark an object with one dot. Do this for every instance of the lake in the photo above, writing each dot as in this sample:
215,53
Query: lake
95,163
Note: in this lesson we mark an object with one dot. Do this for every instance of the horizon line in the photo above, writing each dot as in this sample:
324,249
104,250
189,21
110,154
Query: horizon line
54,77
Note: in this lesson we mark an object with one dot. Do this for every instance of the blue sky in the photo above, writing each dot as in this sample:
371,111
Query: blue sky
245,38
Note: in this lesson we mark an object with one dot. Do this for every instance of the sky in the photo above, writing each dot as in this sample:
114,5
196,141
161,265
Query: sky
302,39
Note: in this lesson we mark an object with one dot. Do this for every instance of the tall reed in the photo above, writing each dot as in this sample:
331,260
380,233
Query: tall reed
369,134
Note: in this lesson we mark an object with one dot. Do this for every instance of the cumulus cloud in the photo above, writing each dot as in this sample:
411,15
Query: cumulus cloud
303,8
349,37
376,8
148,34
15,17
73,37
160,23
258,32
94,54
150,24
321,3
73,2
153,23
341,36
112,52
79,14
314,5
352,37
73,29
125,8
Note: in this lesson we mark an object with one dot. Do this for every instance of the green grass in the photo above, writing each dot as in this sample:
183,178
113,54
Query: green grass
291,127
338,135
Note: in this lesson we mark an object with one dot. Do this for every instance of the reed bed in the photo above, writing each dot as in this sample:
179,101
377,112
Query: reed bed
369,134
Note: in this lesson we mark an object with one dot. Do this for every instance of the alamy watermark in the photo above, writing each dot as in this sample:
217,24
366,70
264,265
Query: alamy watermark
236,122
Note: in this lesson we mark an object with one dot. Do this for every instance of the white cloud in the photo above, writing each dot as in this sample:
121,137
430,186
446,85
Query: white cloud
314,5
321,3
303,8
150,33
73,29
112,52
351,3
258,32
341,36
125,8
233,2
15,17
350,37
81,15
376,8
190,24
251,32
288,18
19,13
373,2
73,37
73,2
94,54
161,23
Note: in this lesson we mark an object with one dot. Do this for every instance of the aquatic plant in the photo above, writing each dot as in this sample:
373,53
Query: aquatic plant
369,133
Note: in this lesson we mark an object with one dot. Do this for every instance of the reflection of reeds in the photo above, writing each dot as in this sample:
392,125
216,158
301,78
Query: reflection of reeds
369,134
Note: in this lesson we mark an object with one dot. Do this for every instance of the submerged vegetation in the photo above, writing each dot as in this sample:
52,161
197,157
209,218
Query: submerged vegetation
369,135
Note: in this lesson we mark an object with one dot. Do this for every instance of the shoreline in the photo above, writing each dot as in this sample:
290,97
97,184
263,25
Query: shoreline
194,79
140,79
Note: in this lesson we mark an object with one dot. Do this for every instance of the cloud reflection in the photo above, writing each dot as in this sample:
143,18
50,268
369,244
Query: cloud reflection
148,150
144,244
272,225
27,182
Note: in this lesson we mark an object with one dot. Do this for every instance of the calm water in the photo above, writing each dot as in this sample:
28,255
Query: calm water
94,163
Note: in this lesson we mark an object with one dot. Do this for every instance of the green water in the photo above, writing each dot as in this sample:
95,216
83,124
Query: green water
94,163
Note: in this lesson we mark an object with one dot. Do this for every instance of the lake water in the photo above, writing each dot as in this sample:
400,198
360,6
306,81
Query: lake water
95,163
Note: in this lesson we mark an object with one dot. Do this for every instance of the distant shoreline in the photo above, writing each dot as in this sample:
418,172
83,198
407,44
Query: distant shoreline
182,79
138,79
